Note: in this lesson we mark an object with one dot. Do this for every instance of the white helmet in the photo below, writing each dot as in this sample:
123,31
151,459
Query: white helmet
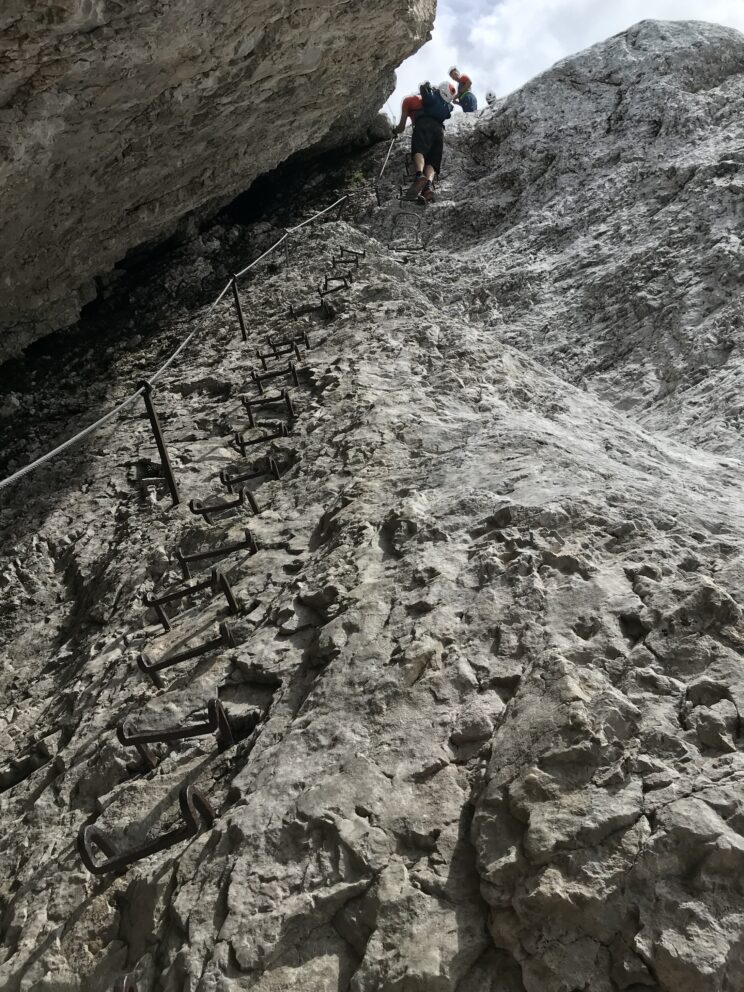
448,91
452,68
491,98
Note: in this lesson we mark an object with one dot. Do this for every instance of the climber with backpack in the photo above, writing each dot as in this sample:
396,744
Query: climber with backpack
427,142
409,108
465,96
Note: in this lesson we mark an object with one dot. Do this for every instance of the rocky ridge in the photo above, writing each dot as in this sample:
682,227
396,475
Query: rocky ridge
486,683
119,120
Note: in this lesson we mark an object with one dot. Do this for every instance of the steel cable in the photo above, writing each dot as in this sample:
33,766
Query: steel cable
67,444
167,364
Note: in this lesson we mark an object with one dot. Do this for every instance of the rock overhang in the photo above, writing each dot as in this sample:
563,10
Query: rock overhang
118,120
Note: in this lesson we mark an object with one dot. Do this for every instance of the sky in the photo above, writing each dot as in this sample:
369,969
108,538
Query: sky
503,43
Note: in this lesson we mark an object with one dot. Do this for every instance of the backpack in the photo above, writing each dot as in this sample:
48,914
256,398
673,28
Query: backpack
435,106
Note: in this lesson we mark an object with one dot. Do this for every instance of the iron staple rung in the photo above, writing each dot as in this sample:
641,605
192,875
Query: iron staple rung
195,807
271,468
308,308
216,720
345,261
299,338
291,369
217,582
283,398
273,355
216,723
285,348
334,289
208,510
224,639
184,561
345,278
242,444
171,597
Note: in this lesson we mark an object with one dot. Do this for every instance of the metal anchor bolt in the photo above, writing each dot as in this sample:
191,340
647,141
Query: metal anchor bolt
216,723
225,639
271,468
195,808
185,560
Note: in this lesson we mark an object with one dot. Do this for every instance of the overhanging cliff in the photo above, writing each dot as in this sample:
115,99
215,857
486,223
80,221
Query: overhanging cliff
117,119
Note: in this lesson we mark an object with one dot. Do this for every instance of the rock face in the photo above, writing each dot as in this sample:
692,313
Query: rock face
486,681
117,119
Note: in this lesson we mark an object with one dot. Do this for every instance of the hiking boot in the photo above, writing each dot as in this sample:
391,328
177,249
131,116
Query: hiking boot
415,188
427,193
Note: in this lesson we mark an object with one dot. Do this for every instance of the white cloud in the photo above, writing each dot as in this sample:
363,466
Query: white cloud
503,46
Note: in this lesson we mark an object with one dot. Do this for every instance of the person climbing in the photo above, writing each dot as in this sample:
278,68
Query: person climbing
410,106
427,142
465,96
491,98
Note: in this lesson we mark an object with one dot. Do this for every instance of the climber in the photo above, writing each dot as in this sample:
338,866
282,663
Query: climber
465,96
427,142
491,98
410,106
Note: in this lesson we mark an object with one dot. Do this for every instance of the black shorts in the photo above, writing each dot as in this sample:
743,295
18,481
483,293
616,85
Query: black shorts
428,140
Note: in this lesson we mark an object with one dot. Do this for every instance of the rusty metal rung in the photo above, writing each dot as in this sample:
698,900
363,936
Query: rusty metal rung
195,810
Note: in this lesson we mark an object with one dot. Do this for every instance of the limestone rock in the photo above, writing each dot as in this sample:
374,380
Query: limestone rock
117,120
486,691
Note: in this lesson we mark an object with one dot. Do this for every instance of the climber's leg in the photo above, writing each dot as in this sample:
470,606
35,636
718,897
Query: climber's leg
419,150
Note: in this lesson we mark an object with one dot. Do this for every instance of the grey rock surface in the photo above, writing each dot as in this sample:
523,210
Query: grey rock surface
487,680
117,120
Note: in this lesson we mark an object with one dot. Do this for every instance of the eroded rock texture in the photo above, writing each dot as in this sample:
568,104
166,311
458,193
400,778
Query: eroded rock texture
487,680
117,119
